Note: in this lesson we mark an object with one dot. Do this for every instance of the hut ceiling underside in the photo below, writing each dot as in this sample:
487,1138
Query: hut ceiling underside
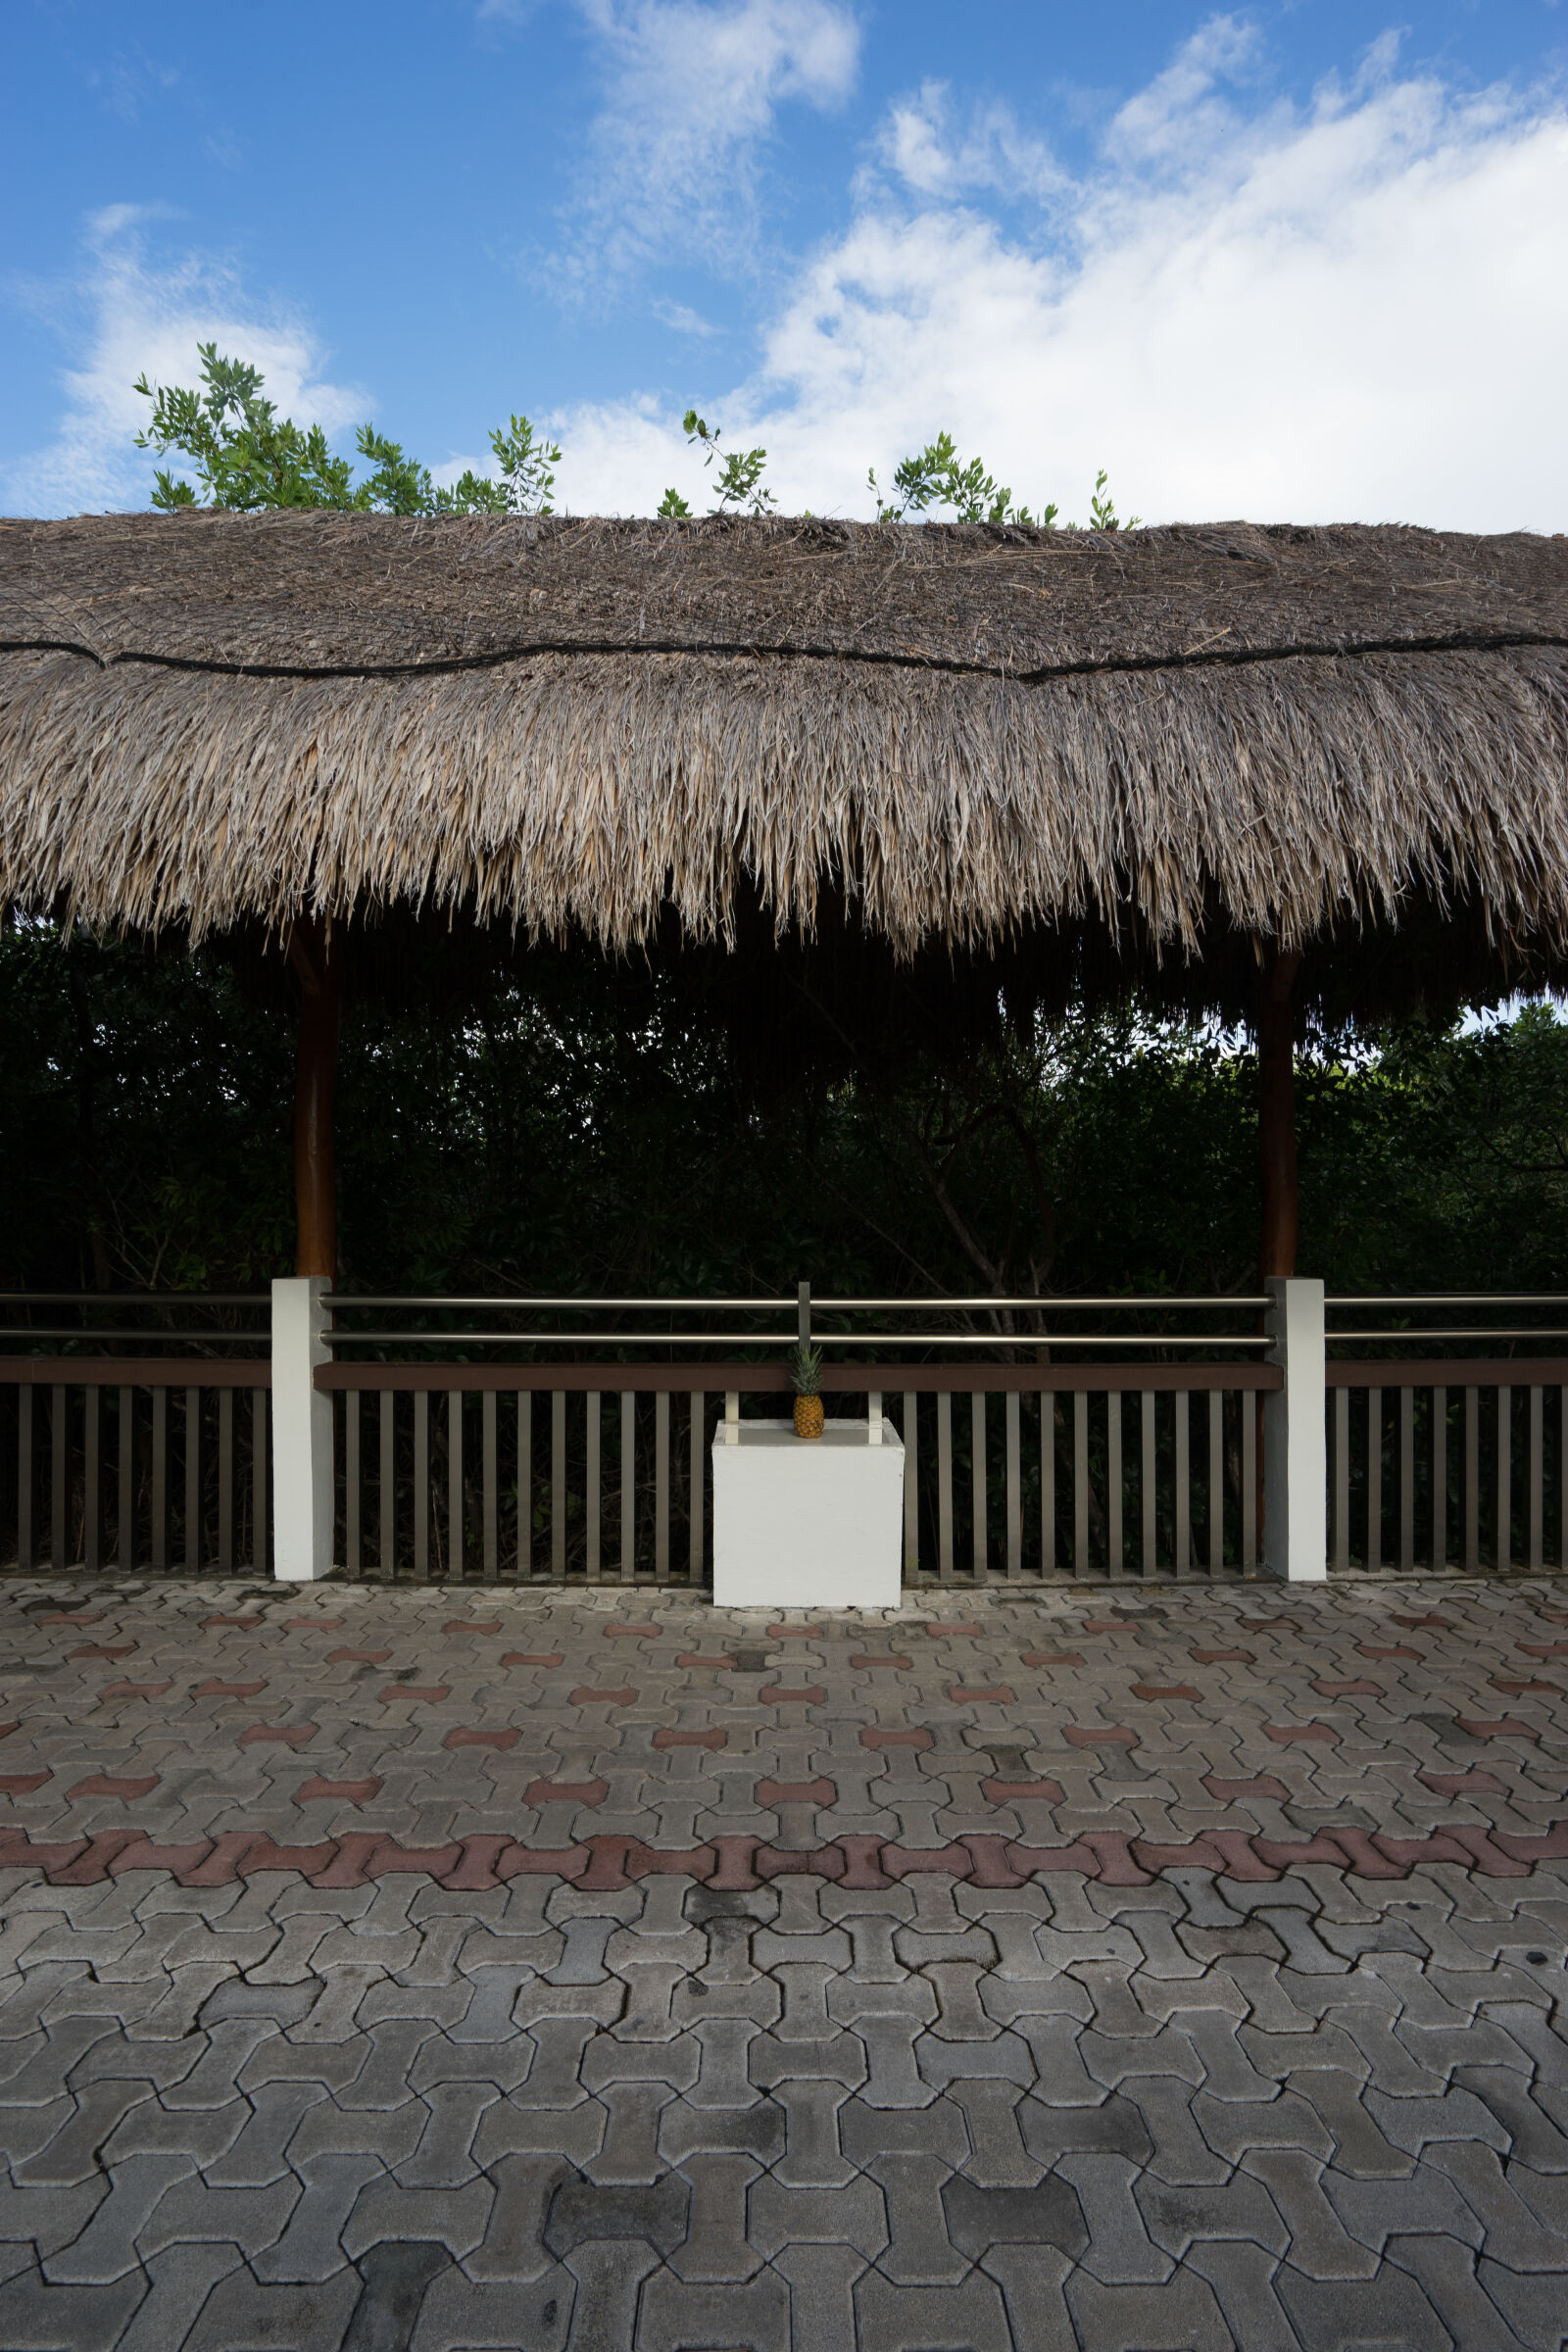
213,718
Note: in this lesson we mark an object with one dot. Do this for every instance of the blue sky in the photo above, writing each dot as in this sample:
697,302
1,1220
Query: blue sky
1308,258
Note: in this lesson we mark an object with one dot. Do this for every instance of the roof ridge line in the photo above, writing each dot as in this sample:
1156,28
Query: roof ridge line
1201,656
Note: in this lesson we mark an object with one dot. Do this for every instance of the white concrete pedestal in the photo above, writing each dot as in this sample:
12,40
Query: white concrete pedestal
808,1524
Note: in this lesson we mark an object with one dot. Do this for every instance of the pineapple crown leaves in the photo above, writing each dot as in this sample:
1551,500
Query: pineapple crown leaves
805,1371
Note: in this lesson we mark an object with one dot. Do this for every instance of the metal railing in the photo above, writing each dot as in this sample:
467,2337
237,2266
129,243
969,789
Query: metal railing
135,1431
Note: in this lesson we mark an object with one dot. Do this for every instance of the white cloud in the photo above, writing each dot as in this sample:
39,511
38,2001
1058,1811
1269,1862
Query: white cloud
694,88
1358,309
143,316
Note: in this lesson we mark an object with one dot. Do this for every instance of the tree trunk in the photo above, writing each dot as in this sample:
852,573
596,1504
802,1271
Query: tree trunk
317,964
1276,1112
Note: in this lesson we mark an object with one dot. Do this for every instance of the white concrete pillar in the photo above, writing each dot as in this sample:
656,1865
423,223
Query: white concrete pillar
302,1431
1295,1447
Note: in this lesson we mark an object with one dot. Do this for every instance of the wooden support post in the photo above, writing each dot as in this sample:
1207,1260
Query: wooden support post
1275,1114
317,959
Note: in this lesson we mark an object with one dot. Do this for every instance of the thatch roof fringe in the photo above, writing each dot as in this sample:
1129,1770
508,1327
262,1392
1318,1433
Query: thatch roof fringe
213,718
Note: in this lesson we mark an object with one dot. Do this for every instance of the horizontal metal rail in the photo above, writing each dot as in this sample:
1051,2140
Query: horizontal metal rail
1066,1303
830,1339
150,1338
1408,1338
191,1299
1381,1298
774,1379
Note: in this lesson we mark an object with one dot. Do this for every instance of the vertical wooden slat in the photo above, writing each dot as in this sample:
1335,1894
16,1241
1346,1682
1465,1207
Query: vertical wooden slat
525,1485
260,1484
557,1484
421,1485
456,1511
1504,1477
911,1486
92,1486
594,1497
1047,1482
1080,1482
193,1482
1146,1482
1472,1480
1216,1481
1182,1558
662,1486
1247,1549
59,1489
945,1486
1440,1478
1014,1483
1342,1477
697,1484
158,1534
387,1470
980,1530
629,1485
1406,1480
491,1467
1115,1540
1536,1478
25,1528
125,1515
225,1482
1374,1479
353,1484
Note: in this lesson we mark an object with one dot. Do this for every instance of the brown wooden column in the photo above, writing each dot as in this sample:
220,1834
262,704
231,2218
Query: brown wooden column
1276,1111
317,960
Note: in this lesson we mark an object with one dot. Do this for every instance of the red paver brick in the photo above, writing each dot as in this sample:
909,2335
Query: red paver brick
217,1689
1228,1793
23,1784
1543,1649
281,1735
795,1633
248,1623
1463,1783
1152,1691
1050,1657
104,1783
1022,1792
955,1632
135,1690
1113,1735
796,1793
981,1695
472,1625
465,1734
869,1658
1286,1734
1374,1649
780,1694
903,1738
343,1792
531,1657
5,1730
585,1698
1438,1625
1512,1689
1223,1658
566,1792
668,1739
1361,1689
358,1657
72,1617
1505,1728
101,1650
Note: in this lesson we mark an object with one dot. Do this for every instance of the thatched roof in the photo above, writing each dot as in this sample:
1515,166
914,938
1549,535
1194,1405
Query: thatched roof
211,717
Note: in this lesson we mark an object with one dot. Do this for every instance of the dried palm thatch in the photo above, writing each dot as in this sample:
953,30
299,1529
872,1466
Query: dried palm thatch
967,733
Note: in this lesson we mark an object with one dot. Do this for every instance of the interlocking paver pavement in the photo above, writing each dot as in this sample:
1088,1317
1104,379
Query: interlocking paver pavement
1051,1973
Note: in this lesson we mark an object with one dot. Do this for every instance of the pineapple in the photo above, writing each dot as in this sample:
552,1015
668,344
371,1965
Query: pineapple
806,1372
